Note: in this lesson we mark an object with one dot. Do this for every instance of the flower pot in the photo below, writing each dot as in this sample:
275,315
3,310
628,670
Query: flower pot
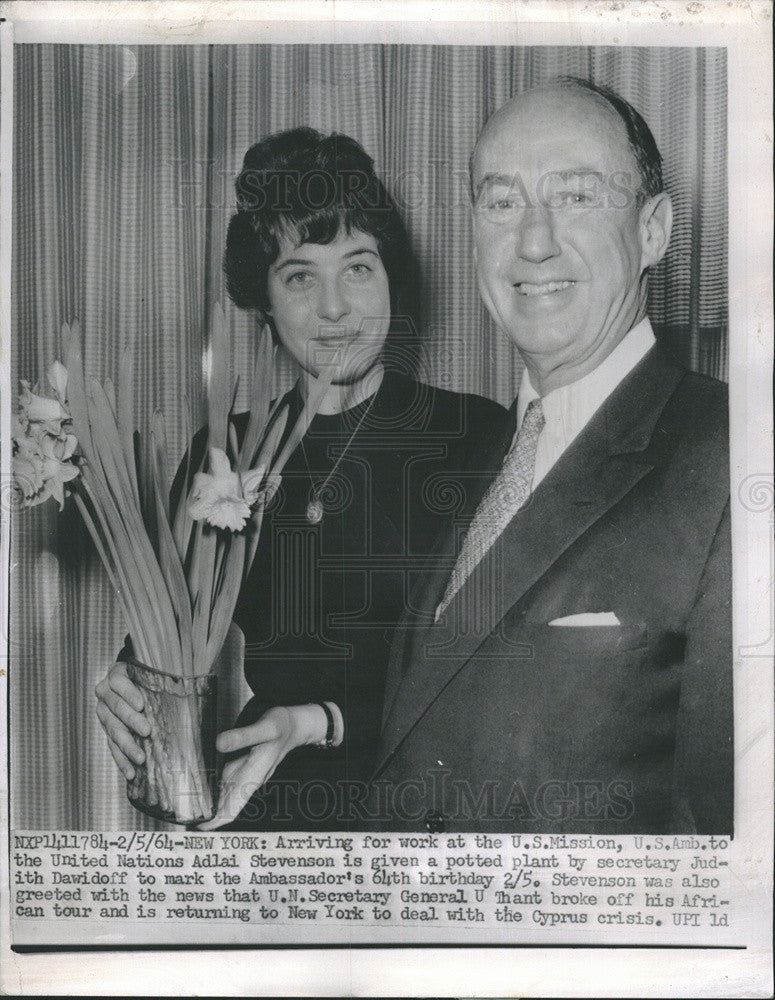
178,780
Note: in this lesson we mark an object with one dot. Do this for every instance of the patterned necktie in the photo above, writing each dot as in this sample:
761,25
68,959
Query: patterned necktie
506,494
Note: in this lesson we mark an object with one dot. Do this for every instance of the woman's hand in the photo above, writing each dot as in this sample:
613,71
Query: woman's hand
276,733
120,711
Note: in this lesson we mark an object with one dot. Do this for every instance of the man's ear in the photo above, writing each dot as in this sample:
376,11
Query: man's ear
656,224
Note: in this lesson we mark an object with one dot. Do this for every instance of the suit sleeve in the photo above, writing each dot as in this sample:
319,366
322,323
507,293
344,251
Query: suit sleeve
704,746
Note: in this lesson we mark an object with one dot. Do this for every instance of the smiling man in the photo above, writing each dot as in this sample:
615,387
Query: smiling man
572,671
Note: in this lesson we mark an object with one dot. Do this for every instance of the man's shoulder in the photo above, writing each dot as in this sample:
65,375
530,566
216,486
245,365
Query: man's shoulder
692,403
704,399
706,389
692,431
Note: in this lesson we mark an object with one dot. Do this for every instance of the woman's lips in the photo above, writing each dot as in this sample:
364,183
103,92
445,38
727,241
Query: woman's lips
530,289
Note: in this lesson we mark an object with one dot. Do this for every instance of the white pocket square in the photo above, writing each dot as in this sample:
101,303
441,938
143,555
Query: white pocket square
588,618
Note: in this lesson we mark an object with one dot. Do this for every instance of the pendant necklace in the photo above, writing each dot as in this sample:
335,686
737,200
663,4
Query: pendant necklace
314,512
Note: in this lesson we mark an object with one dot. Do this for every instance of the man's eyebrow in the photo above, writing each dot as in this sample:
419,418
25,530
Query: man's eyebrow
566,175
300,262
515,179
496,179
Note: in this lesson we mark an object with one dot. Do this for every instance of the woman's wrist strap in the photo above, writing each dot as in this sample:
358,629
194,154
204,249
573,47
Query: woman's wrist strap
327,742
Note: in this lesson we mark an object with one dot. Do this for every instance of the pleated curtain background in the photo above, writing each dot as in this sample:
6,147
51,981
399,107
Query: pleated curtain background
123,187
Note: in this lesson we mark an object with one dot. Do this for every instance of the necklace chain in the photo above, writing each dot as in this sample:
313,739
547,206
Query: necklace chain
315,511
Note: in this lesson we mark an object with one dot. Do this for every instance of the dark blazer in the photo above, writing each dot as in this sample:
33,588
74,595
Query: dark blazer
495,719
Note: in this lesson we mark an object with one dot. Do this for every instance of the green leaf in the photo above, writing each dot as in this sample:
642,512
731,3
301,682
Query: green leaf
128,516
76,390
219,386
114,458
263,368
183,522
206,542
148,630
115,571
110,394
171,565
160,462
226,600
264,461
126,427
253,534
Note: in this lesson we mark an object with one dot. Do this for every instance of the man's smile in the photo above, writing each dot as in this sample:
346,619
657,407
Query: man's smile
530,289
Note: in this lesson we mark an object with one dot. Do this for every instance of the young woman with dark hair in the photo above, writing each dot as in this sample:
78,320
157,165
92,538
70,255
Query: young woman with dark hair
318,250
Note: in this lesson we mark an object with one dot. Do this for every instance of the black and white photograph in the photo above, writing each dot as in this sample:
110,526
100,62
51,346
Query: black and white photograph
566,667
386,490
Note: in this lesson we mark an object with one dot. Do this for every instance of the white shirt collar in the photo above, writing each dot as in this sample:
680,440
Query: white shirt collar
569,408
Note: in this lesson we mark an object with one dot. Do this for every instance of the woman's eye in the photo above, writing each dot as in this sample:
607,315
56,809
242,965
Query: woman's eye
359,270
299,279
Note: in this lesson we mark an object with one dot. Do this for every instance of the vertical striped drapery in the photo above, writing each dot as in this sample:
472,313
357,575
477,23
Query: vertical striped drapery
124,165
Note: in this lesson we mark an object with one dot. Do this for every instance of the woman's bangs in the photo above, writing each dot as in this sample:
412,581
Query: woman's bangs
322,225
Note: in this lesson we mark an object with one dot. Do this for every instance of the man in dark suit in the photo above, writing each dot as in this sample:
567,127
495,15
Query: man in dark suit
571,668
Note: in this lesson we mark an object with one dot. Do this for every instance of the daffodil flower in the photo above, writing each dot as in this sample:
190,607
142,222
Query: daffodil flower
37,409
42,466
28,476
57,377
220,496
18,426
43,448
57,470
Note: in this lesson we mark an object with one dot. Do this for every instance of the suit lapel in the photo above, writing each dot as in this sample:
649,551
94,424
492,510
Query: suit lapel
603,463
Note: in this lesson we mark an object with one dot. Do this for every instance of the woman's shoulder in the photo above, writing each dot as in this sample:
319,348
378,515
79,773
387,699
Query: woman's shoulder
241,419
446,408
472,402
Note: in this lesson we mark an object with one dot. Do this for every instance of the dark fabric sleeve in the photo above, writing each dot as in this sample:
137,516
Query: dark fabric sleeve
297,684
351,690
704,750
126,650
